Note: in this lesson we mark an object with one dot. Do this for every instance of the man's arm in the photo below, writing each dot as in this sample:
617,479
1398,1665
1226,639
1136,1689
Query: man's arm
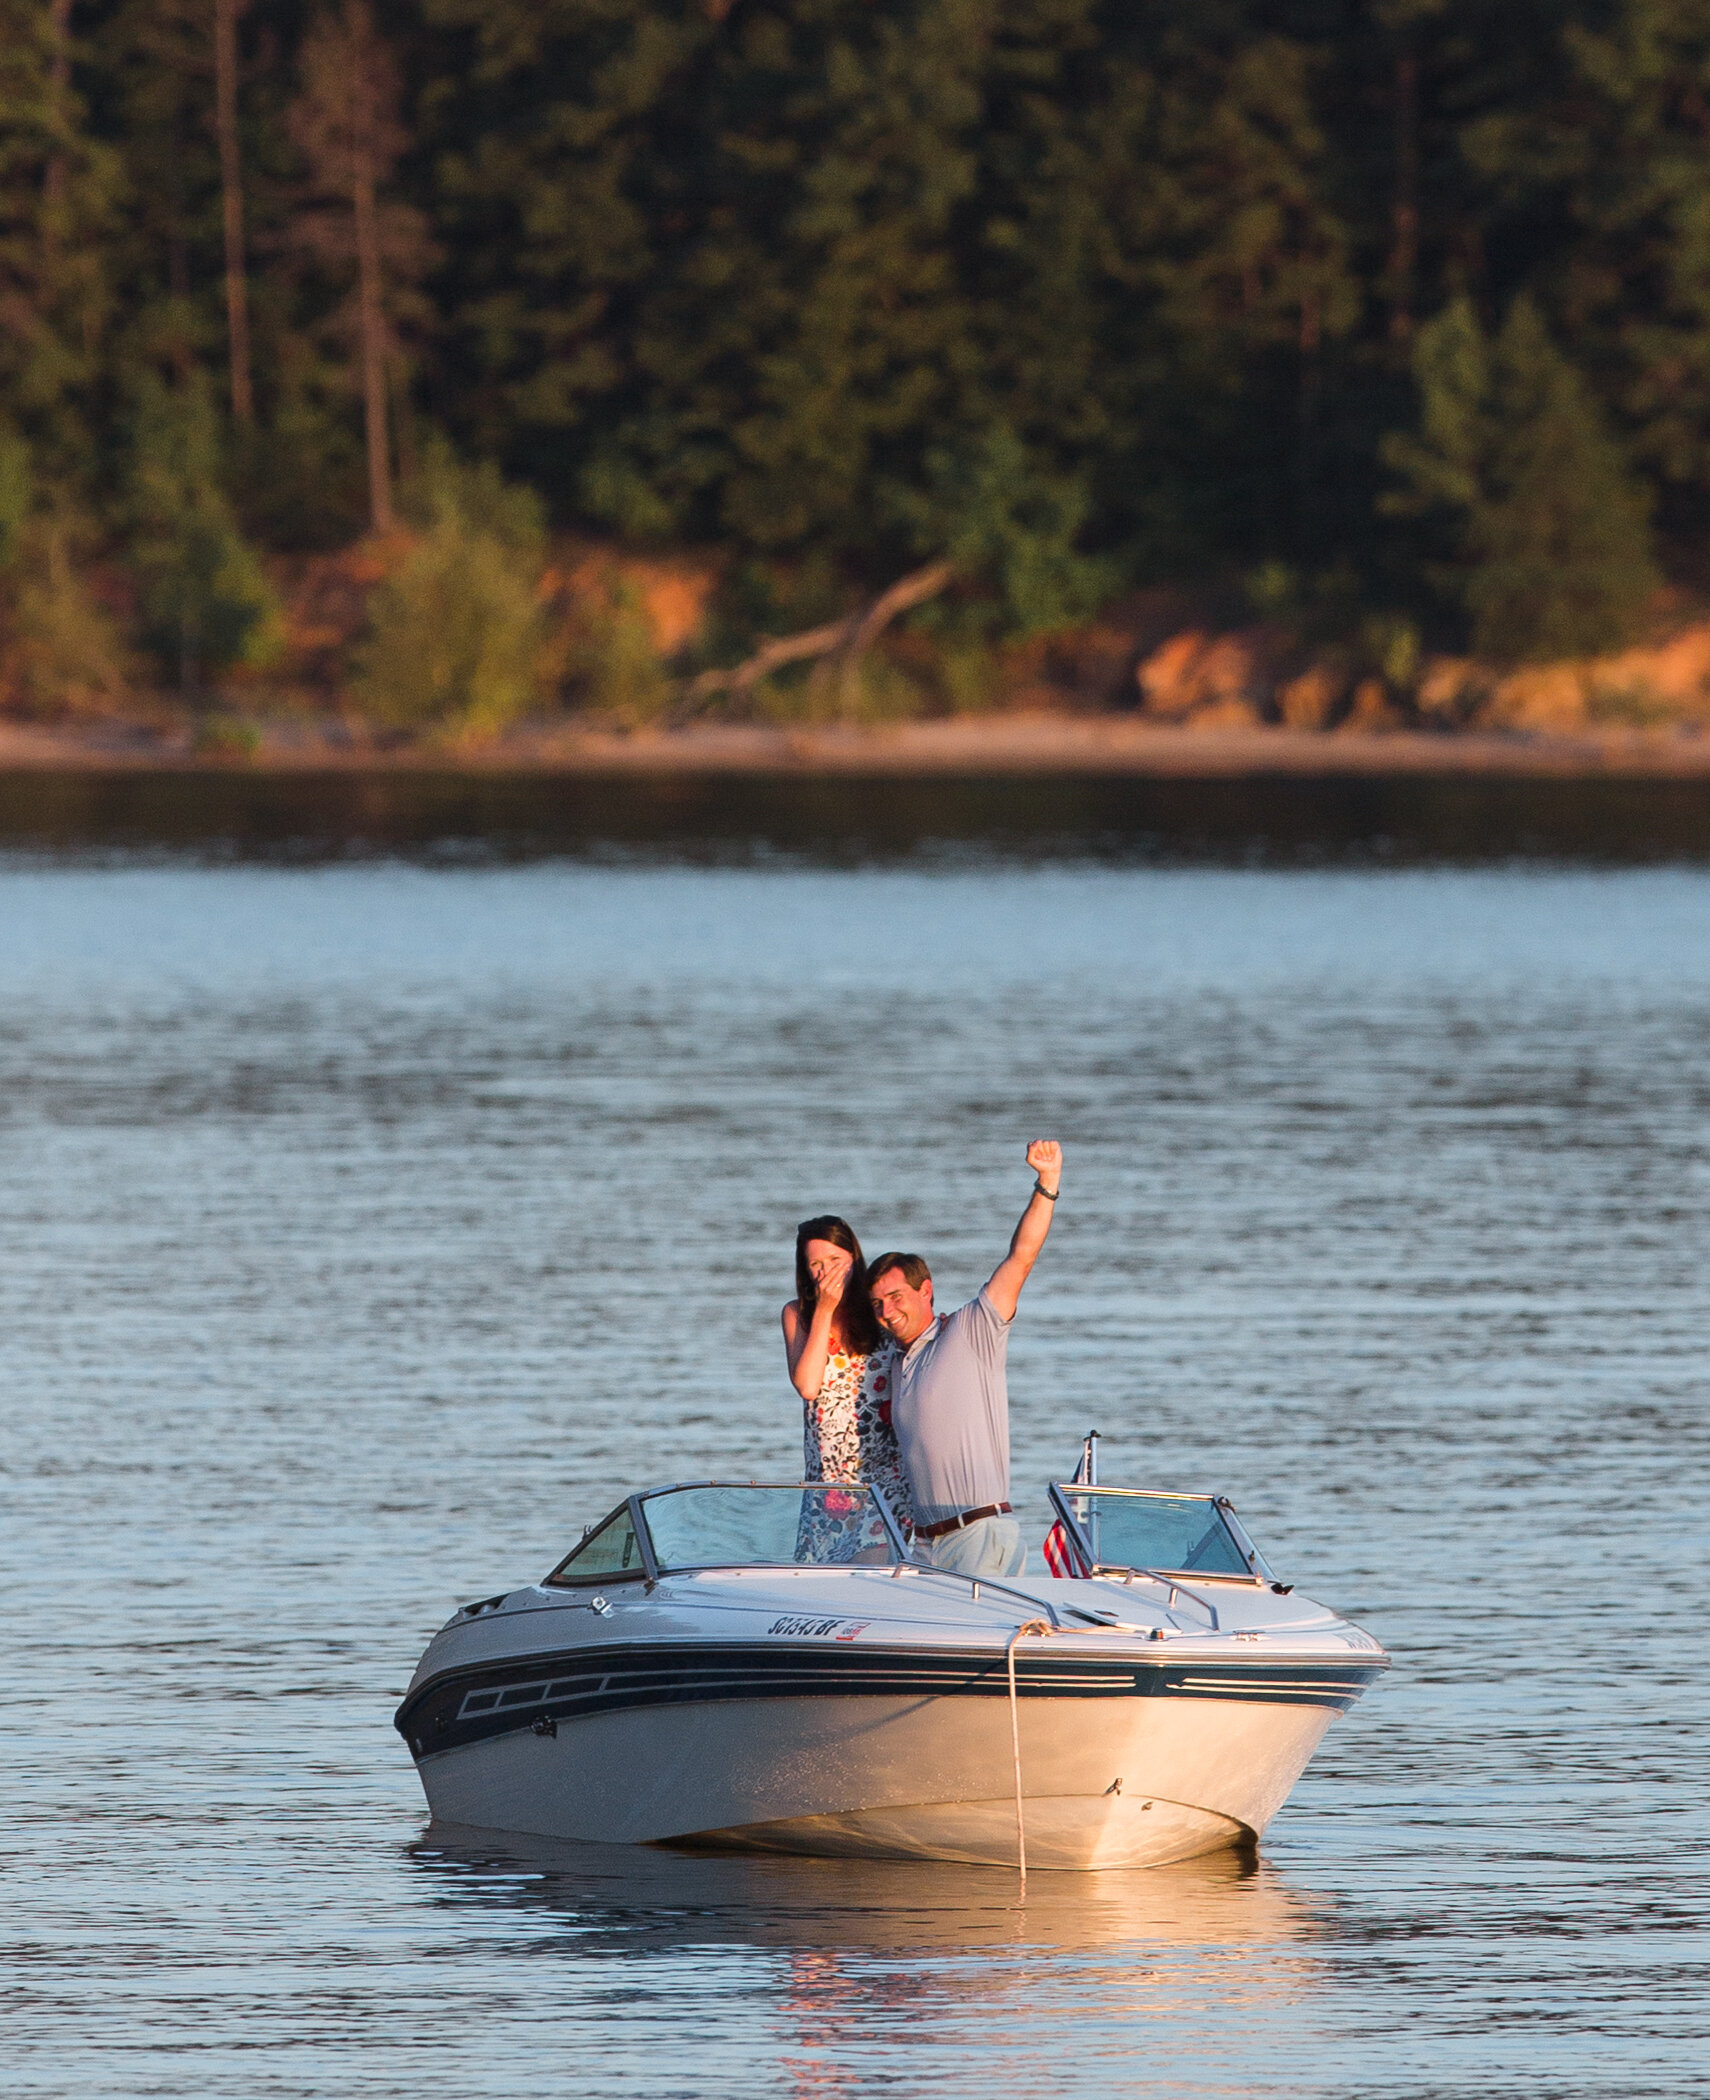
1045,1157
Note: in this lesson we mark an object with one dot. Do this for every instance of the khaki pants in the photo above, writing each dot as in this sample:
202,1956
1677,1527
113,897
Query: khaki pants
991,1548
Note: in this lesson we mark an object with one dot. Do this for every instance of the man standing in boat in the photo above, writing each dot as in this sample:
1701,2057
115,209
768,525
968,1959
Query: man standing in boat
951,1404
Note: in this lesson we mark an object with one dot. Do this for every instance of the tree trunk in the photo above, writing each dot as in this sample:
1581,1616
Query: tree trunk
370,297
231,191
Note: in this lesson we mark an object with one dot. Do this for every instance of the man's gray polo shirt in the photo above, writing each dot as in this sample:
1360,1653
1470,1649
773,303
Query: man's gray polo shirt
951,1413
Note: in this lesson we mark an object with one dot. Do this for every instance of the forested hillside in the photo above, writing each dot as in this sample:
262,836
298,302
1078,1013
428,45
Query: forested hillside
1386,323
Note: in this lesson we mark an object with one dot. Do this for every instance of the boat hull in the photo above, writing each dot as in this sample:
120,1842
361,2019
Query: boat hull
1123,1782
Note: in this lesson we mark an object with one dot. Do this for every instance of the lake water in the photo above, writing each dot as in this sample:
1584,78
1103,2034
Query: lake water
365,1229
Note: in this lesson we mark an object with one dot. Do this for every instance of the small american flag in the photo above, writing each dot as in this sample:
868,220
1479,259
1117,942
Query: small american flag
1060,1555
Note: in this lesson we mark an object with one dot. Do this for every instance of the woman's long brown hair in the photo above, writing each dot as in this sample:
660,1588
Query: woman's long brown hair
854,1314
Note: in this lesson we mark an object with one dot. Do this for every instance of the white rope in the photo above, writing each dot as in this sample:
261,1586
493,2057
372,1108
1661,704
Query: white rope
1028,1626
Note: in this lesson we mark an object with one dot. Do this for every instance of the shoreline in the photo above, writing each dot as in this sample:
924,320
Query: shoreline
971,747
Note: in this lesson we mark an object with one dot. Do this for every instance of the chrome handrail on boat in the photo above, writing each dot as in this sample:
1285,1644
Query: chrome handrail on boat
984,1582
1176,1589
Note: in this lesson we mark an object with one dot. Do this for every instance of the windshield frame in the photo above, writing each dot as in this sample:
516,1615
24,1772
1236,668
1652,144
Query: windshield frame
1060,1491
893,1530
648,1572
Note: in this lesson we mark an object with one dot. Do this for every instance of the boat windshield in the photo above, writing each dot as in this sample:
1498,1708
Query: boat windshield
609,1552
745,1527
1170,1534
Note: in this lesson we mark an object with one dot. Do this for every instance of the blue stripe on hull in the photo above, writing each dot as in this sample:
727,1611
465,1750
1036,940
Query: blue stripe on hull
475,1704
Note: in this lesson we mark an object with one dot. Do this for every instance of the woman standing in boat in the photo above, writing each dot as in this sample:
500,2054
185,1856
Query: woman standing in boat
842,1366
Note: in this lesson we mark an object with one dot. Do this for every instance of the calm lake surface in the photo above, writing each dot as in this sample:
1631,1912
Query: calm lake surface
365,1229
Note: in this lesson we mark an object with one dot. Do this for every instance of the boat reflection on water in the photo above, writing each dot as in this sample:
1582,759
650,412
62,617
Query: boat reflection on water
873,1971
636,1898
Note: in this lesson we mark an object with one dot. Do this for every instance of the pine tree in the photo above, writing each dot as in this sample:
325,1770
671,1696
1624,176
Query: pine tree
206,602
1561,545
1547,523
1592,172
347,124
226,14
161,52
57,207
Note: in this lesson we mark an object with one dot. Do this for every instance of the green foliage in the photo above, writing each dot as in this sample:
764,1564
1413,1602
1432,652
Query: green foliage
876,690
66,654
223,736
1633,703
1083,294
1547,524
17,495
456,639
1395,649
1561,547
1442,466
59,232
969,673
621,671
879,691
745,274
1004,519
477,499
298,482
206,603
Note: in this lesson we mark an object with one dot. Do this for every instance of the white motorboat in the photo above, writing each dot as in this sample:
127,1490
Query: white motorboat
762,1666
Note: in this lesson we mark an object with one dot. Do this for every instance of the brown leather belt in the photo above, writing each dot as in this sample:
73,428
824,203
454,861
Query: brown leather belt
961,1523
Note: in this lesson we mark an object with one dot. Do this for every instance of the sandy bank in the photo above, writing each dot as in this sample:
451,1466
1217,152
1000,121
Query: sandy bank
986,745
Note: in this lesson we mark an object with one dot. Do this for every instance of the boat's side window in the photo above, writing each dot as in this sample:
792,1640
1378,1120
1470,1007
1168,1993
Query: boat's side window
606,1554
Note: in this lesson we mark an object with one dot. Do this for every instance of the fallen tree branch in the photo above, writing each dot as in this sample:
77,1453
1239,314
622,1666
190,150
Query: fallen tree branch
848,640
903,595
772,656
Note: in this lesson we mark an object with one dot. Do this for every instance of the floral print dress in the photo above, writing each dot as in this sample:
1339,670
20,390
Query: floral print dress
847,1428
